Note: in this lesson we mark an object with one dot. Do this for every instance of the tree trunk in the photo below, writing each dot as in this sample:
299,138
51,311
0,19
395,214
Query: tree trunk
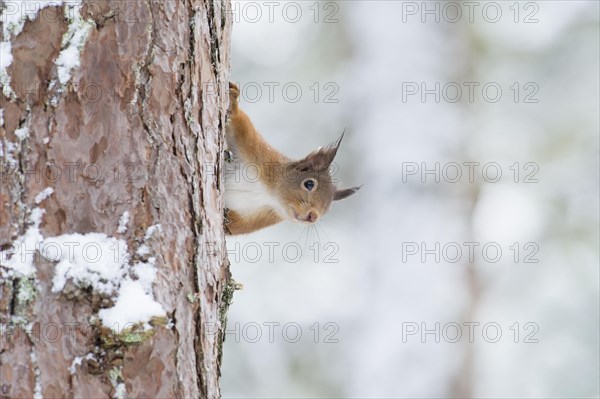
110,198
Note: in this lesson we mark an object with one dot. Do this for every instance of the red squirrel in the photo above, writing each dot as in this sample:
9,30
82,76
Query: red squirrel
264,187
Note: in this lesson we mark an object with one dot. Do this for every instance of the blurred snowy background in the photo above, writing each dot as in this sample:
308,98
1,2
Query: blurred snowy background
440,278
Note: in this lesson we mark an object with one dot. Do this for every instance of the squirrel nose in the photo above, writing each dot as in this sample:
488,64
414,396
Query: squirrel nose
312,217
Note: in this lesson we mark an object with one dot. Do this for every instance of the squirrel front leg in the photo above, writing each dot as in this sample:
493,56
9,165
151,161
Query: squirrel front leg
243,139
237,224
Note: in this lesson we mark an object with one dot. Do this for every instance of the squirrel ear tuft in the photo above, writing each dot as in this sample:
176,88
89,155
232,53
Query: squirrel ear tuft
345,193
320,159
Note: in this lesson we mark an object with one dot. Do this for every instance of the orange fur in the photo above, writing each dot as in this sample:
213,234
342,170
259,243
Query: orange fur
236,224
252,147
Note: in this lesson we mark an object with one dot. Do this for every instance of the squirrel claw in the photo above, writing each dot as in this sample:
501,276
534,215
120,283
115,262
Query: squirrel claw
228,157
226,221
226,215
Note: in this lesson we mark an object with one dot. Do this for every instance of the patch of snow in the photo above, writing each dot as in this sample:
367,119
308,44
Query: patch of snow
102,262
73,42
138,293
1,110
92,258
20,258
6,59
38,385
22,133
123,220
78,361
120,391
17,12
146,273
151,230
46,140
8,153
45,193
143,250
133,305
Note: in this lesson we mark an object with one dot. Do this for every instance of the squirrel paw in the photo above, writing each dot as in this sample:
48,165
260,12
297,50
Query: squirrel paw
226,215
234,92
228,158
226,221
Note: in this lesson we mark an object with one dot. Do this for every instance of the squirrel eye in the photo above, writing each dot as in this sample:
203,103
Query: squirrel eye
309,184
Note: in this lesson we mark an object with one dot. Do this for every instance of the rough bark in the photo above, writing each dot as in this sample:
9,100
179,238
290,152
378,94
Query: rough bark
137,128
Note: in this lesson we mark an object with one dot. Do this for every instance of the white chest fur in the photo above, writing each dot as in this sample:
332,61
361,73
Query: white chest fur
245,193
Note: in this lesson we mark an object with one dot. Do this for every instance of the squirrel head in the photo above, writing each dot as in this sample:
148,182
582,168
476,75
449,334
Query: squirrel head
306,189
